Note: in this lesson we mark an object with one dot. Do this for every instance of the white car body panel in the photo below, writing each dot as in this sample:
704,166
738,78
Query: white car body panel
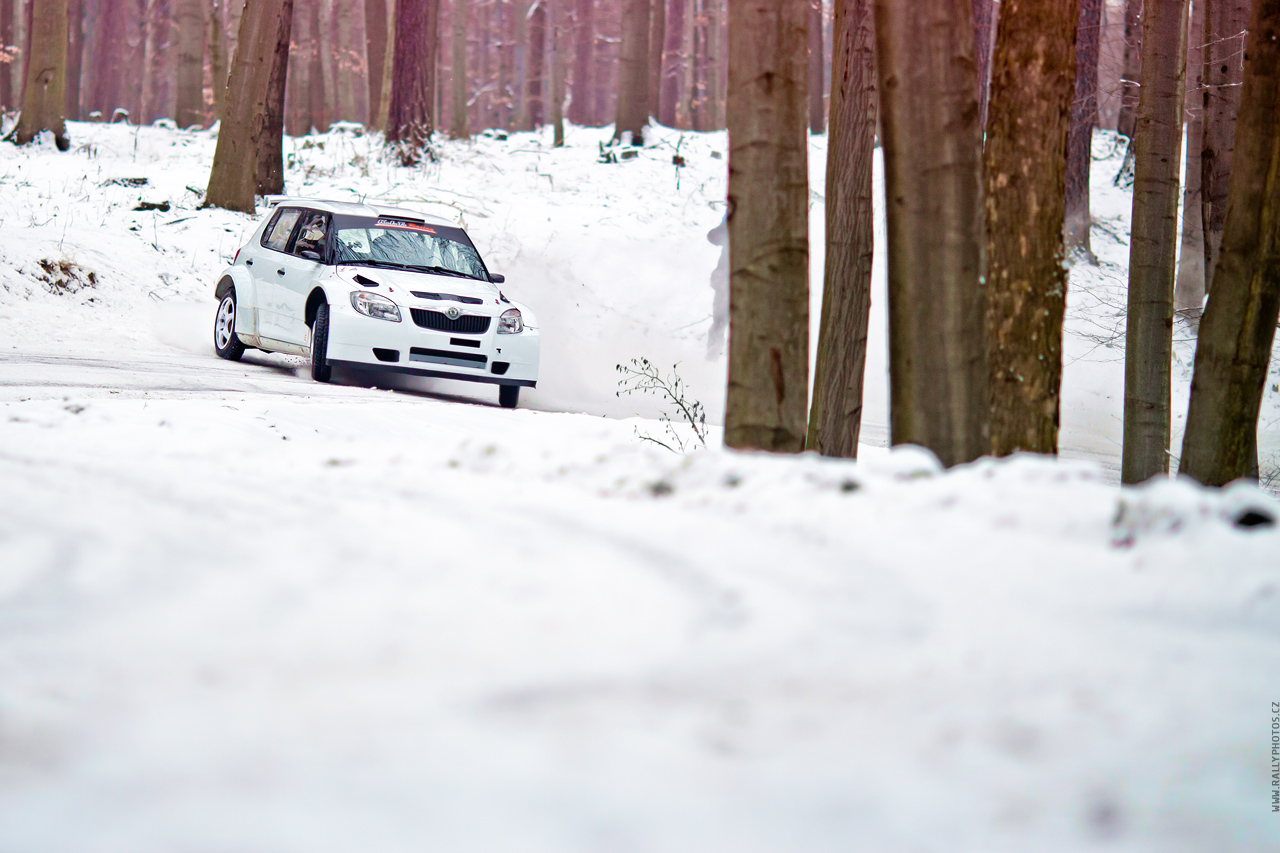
273,289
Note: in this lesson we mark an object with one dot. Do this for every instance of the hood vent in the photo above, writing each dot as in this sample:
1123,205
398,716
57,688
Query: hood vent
448,297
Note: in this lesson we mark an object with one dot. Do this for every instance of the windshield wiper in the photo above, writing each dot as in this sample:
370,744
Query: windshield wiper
447,271
374,262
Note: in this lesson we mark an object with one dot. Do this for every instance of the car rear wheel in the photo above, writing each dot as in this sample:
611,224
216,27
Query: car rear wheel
225,342
508,396
320,369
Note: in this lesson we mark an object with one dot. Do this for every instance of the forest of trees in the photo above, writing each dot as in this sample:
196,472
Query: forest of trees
984,110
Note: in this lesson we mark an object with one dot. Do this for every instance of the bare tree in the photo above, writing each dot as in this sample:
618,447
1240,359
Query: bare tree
672,64
835,417
1077,220
234,175
559,47
458,128
1149,325
932,153
1032,87
1132,67
580,107
75,54
8,53
1225,23
43,95
109,66
768,395
1188,289
633,71
817,69
190,104
535,106
409,120
270,146
657,37
1233,351
375,30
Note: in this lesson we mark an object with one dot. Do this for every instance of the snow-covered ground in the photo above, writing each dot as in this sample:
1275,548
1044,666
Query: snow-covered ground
242,611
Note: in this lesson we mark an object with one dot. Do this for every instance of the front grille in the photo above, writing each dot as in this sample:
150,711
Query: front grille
467,324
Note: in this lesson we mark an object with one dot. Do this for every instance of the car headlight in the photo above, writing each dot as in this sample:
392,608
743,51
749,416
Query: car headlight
375,306
510,323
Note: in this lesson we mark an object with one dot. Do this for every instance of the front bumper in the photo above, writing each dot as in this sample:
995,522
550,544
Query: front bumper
368,344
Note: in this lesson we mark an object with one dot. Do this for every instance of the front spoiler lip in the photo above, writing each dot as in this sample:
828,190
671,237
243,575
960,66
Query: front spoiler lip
434,374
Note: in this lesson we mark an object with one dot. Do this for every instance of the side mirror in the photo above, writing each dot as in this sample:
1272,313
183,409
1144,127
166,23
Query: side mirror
309,254
497,277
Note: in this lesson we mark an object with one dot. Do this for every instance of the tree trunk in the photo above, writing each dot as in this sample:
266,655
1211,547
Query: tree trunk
835,418
984,38
817,70
375,29
535,107
44,94
1188,290
109,68
584,37
1233,352
768,395
219,55
521,70
932,151
559,46
1225,23
1077,221
75,54
190,111
7,53
458,73
657,38
1032,88
672,62
1157,161
271,145
234,176
155,23
1132,67
714,84
388,66
409,121
633,72
348,40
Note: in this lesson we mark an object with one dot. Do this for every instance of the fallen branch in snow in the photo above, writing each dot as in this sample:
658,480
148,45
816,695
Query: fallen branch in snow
642,375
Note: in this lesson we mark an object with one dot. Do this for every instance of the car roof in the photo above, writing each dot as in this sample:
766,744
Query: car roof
346,208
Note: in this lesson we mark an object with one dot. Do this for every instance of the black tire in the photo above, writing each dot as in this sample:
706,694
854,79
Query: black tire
320,369
508,396
225,342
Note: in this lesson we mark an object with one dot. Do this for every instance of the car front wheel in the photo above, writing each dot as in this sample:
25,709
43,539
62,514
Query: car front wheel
320,369
508,396
225,342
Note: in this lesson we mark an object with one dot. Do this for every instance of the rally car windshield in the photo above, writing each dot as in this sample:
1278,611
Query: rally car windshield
409,246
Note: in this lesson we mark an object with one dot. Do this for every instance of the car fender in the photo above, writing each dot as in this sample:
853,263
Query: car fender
526,314
246,299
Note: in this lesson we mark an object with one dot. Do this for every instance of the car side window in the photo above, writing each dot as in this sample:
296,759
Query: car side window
277,234
311,236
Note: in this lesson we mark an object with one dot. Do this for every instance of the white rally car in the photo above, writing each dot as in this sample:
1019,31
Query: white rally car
375,288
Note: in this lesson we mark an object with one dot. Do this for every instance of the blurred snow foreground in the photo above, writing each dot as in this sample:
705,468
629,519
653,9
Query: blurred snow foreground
241,611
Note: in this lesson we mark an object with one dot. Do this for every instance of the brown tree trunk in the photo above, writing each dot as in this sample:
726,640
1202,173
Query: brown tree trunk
984,39
1149,326
458,71
1233,351
835,417
8,47
234,175
388,65
584,38
271,145
535,107
319,95
1225,23
75,53
1077,221
1188,290
768,395
190,111
348,40
409,121
817,70
521,70
714,68
559,47
633,72
375,28
1132,67
155,24
932,152
44,96
1032,87
672,62
657,38
109,70
220,53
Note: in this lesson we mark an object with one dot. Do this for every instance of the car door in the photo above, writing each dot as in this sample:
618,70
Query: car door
297,273
263,263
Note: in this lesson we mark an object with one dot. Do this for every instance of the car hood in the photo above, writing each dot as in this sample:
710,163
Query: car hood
404,281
